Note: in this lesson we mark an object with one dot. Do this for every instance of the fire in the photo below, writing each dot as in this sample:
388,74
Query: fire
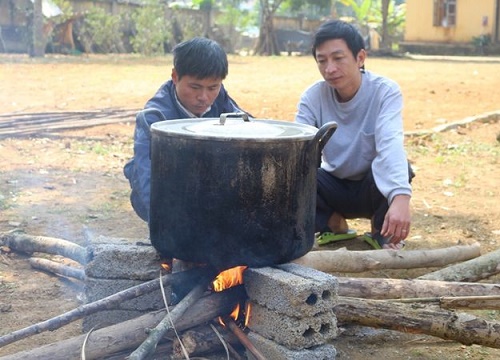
227,279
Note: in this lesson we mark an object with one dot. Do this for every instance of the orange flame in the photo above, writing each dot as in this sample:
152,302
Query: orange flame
227,279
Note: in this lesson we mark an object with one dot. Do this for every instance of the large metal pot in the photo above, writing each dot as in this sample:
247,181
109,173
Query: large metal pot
231,192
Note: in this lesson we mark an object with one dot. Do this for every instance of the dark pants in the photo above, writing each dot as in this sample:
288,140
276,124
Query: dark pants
351,199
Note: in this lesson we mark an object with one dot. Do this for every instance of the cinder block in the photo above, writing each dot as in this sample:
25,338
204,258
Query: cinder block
273,351
303,292
123,261
293,332
96,289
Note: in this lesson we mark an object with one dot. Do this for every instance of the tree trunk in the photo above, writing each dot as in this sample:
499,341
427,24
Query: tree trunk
38,41
130,334
30,244
411,318
473,270
343,260
386,43
267,43
375,288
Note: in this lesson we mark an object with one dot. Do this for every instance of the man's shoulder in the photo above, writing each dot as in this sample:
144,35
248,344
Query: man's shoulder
380,80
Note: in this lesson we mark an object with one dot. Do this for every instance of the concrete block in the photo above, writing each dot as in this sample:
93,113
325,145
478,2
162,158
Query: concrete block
122,261
273,351
96,289
293,332
303,292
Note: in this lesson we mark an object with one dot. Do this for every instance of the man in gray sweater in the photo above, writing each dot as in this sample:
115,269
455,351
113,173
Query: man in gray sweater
364,171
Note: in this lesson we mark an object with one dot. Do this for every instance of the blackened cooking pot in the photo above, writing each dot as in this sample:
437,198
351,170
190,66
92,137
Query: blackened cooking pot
234,191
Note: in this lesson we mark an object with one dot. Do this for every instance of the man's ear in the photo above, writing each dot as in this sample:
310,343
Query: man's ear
175,77
361,58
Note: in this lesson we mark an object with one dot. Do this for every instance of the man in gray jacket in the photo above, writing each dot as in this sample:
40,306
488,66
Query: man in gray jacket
364,171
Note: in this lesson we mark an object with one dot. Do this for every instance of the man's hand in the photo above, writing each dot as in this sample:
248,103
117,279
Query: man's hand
397,220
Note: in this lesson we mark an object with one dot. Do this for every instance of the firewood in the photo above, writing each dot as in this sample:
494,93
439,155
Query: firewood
30,244
130,334
106,303
203,340
57,268
485,302
476,269
343,260
245,341
464,328
148,346
378,288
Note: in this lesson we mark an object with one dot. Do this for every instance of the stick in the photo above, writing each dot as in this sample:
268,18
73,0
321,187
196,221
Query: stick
465,328
245,341
473,270
30,244
57,268
376,288
131,333
343,260
149,345
485,302
109,302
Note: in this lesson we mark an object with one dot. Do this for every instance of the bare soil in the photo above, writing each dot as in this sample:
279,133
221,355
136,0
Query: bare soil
65,183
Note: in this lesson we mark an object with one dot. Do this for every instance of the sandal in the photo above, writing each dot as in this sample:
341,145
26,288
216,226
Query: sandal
328,237
377,242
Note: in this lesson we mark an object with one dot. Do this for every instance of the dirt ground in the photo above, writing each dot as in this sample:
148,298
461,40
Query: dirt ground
65,183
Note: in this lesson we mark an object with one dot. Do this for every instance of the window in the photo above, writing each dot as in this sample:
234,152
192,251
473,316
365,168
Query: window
445,13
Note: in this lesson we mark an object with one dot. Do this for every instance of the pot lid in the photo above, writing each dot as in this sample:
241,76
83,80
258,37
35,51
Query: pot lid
240,127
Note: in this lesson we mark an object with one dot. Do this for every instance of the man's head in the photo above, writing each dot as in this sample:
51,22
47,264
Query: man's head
337,29
200,66
338,49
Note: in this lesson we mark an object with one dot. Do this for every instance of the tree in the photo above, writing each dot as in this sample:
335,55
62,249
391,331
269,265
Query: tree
267,43
37,48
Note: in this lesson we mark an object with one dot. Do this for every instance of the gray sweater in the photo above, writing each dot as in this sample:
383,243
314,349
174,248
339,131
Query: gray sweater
369,133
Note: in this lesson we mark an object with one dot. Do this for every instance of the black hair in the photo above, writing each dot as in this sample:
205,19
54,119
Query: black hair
337,29
200,57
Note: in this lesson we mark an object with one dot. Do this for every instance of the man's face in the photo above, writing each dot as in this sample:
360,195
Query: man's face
196,95
338,66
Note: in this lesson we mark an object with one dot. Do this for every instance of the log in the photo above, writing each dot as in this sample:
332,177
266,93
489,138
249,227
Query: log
485,302
203,340
245,341
148,346
476,269
57,268
375,288
419,319
30,244
130,334
343,260
107,303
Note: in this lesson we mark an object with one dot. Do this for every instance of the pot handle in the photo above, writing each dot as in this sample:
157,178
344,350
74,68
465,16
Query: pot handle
224,116
322,136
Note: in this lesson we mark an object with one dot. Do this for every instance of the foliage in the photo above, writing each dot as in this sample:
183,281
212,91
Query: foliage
361,9
66,8
152,28
101,31
396,19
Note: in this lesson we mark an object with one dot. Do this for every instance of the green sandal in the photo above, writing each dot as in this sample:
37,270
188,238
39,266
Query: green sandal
328,237
378,241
